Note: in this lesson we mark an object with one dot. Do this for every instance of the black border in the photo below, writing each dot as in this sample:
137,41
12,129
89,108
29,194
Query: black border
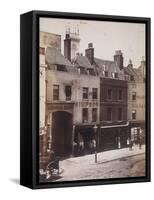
34,94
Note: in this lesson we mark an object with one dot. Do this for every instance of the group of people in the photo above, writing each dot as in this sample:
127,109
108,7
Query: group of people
81,148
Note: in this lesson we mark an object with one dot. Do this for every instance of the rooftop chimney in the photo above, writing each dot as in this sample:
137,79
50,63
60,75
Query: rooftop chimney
118,59
89,53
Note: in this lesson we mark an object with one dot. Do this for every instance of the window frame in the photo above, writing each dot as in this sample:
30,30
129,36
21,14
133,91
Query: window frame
54,90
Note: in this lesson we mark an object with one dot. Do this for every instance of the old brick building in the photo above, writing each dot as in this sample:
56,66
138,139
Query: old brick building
69,101
114,127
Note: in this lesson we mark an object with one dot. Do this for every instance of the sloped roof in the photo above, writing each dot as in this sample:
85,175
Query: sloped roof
54,56
83,61
101,62
111,66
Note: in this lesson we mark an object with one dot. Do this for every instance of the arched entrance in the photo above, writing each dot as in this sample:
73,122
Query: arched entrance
62,125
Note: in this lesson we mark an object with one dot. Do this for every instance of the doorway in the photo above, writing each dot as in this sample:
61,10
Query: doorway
62,124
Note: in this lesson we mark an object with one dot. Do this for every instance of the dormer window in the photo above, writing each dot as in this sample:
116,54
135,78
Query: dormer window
91,72
81,70
61,68
114,74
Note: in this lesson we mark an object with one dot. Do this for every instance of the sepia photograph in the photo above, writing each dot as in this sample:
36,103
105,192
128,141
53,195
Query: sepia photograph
92,99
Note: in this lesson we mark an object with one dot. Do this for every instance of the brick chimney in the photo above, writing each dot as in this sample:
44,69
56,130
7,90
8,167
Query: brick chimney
118,59
89,53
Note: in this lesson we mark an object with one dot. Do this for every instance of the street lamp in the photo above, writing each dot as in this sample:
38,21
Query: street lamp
95,132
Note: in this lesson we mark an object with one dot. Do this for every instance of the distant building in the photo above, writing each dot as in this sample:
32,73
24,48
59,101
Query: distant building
113,100
136,97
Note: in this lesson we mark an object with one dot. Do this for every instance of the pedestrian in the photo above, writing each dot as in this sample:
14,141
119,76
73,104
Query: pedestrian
128,142
94,145
131,145
119,143
140,142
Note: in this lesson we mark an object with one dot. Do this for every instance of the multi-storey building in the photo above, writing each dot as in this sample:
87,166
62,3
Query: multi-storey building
71,95
113,131
136,98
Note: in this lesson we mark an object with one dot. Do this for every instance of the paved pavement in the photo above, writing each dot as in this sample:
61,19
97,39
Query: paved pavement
114,163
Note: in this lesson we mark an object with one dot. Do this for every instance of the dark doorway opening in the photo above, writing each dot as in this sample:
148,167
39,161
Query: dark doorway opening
62,133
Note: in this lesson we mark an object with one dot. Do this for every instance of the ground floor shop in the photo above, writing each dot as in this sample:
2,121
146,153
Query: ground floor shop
113,137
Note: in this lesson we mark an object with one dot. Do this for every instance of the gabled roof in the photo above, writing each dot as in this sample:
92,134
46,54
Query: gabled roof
54,57
82,61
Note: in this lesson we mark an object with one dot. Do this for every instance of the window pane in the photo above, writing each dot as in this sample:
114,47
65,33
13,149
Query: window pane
55,92
120,94
68,92
134,114
109,93
94,94
85,115
120,114
109,114
85,93
133,96
94,114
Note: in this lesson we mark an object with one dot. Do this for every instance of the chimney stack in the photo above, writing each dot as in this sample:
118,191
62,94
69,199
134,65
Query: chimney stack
118,59
89,53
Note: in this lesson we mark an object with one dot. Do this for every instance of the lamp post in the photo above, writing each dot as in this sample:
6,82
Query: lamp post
95,132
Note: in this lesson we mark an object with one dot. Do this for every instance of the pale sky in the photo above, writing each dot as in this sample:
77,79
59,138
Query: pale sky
107,37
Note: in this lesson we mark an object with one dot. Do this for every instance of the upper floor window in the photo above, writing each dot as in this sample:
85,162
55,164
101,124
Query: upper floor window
85,115
134,96
68,92
55,92
109,114
94,93
120,95
120,114
85,93
133,114
109,94
94,114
